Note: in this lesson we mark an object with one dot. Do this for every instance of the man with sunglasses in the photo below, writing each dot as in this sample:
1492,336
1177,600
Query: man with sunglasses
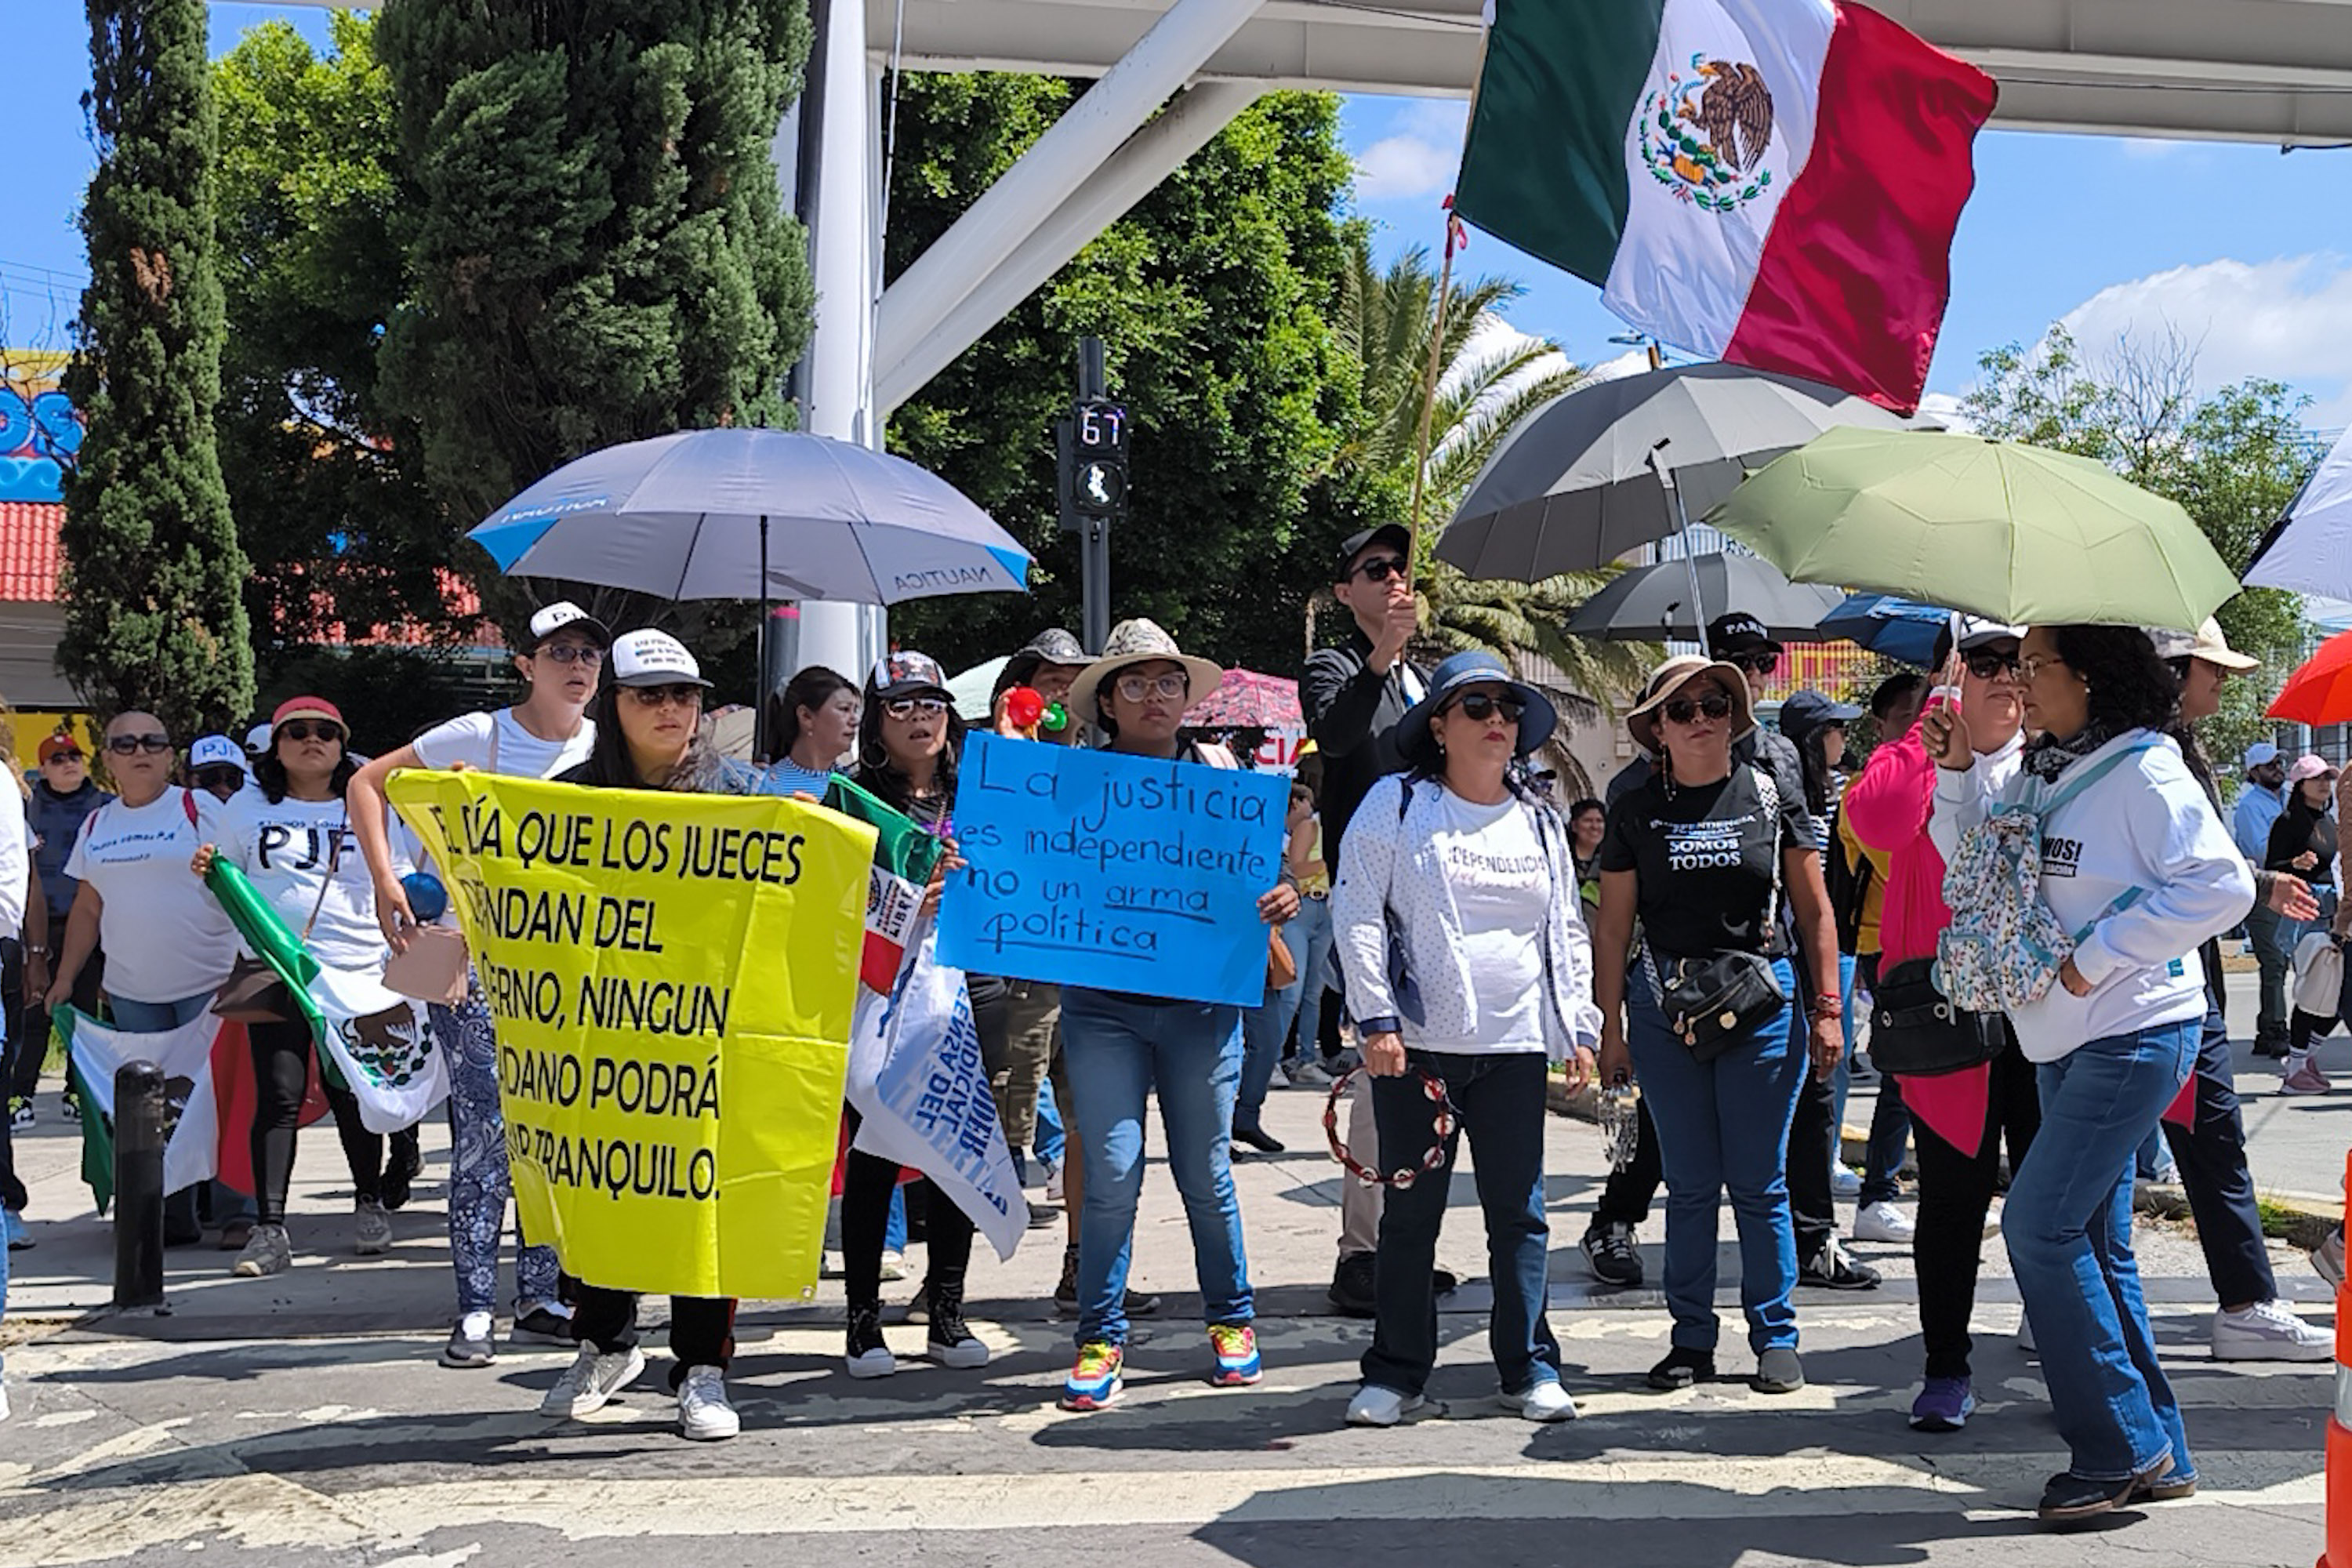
1354,696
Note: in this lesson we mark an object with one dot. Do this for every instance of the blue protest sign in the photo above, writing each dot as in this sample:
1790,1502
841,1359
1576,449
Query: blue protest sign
1117,872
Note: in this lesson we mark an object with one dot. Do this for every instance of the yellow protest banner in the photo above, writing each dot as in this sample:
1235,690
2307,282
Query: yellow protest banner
673,977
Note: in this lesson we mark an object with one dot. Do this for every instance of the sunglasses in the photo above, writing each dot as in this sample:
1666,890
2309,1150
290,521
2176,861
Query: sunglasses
1136,688
1481,706
1381,568
1685,710
308,730
1755,663
907,707
681,694
574,653
131,745
205,778
1988,663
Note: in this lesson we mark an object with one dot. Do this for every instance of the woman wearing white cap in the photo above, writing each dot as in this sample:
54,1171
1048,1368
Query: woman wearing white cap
545,733
2303,843
649,735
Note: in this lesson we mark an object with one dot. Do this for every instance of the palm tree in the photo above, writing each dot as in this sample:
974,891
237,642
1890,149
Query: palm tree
1490,378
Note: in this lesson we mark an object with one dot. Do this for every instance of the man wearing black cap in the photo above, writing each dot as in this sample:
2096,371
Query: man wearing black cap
1353,696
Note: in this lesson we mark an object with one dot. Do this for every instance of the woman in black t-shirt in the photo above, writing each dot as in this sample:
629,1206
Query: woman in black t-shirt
1704,852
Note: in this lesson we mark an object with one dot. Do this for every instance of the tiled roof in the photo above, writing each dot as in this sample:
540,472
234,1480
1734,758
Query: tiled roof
29,553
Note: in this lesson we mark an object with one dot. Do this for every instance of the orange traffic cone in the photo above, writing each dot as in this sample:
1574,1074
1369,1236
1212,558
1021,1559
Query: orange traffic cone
2338,1553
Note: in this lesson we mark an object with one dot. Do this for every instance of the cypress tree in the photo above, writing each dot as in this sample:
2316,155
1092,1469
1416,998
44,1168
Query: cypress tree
154,615
599,250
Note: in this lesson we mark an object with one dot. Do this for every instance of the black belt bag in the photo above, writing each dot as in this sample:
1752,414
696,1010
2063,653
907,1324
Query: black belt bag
1714,1004
1916,1032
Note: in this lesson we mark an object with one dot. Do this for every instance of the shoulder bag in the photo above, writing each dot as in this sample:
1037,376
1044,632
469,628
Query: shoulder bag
1916,1031
1712,1004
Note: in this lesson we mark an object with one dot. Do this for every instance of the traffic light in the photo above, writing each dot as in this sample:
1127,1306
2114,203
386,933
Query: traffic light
1095,469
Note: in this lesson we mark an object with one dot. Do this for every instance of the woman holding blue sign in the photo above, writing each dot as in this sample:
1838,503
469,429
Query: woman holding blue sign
1119,1047
1461,931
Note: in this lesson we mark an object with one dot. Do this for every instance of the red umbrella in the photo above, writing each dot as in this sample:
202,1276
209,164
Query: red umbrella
2321,691
1248,700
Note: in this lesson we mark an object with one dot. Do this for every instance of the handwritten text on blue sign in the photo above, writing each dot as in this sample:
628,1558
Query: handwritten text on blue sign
1119,872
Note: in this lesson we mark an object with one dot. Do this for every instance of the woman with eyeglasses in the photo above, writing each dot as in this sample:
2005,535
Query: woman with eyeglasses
812,726
168,945
1119,1048
2138,866
1702,852
1462,936
650,736
908,744
292,838
546,734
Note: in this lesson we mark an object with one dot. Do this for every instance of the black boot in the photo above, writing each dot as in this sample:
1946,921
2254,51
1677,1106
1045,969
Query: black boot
949,1342
868,1356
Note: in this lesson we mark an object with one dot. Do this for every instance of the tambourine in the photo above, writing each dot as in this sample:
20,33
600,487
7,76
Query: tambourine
1619,1115
1444,1119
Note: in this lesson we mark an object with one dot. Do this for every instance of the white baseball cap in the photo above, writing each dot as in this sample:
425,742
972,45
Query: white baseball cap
215,751
654,659
565,615
257,739
2262,754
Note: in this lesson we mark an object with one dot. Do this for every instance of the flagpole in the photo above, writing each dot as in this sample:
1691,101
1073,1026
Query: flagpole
1456,239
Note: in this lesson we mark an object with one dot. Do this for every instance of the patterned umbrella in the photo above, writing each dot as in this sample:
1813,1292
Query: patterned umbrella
1248,700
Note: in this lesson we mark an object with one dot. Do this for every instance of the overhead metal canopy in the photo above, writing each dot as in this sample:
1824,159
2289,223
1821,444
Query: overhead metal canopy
2276,71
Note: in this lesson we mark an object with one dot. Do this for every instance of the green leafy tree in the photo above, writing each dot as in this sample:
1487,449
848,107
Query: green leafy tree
1212,297
325,480
2232,459
1488,381
153,572
597,249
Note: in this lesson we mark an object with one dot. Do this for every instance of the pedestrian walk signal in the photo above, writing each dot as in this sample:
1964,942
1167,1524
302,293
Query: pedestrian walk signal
1094,449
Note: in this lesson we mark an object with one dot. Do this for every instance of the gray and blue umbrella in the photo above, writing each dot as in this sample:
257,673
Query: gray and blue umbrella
1885,624
754,514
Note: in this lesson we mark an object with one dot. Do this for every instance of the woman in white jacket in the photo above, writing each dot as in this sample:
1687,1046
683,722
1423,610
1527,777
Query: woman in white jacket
2137,865
1457,921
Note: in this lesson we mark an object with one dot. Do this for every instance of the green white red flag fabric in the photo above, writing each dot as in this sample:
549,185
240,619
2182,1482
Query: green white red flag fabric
903,855
1774,182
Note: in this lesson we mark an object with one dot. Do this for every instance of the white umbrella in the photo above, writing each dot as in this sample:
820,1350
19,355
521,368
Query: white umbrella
975,690
2310,549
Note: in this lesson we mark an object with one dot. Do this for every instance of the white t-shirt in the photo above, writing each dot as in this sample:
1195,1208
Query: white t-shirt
165,939
15,858
292,849
517,753
1501,888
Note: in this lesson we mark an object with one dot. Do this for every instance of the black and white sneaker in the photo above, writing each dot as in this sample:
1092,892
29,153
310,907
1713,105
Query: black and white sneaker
1831,1269
868,1354
472,1342
1610,1253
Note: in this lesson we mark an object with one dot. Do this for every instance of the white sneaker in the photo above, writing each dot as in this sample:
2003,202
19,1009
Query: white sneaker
894,1265
1992,1219
1376,1406
589,1384
1544,1401
1053,1183
703,1413
2268,1331
1883,1222
1845,1182
371,1228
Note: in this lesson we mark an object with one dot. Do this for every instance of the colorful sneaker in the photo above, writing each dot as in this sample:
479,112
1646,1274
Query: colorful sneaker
1944,1405
1237,1361
1094,1383
2305,1078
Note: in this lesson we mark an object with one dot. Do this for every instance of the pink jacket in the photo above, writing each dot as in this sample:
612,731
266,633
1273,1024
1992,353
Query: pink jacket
1888,806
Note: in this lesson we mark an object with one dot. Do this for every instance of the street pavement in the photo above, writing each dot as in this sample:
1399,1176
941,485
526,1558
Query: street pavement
304,1420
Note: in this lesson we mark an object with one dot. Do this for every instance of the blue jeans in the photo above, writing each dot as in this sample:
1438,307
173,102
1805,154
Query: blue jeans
2068,1223
1265,1026
1501,1099
1050,1140
1723,1126
1115,1051
229,1206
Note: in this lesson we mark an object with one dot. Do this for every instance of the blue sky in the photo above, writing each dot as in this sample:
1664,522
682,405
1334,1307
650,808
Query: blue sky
2243,252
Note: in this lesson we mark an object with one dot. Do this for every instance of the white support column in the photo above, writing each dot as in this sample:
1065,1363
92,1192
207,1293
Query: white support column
1130,175
845,257
1027,193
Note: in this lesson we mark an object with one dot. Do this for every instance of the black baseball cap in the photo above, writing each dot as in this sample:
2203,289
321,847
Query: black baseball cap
1394,533
1738,632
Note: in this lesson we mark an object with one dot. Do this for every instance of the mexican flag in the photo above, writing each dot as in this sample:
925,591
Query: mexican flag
903,855
1774,182
208,1097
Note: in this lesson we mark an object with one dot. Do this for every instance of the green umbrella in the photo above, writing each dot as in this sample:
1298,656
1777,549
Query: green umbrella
2018,533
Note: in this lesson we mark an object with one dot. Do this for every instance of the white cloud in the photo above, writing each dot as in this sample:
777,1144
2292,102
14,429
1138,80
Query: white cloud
1418,157
2286,319
1945,408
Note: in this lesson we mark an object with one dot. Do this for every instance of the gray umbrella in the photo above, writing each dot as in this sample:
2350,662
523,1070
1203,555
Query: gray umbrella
1652,604
1572,487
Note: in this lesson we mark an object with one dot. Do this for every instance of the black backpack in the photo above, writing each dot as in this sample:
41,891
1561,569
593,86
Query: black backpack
1848,885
